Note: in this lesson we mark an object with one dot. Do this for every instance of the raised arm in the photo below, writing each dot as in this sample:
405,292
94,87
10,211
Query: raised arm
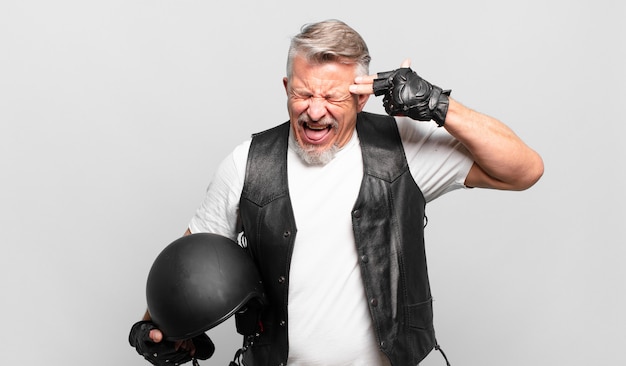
501,159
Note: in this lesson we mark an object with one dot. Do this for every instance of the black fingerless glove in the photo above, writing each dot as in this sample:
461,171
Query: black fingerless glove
407,94
164,352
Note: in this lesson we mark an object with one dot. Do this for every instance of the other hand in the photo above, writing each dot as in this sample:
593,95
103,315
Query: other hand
149,342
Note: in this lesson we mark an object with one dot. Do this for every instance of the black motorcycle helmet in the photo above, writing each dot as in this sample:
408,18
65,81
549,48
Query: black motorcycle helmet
197,282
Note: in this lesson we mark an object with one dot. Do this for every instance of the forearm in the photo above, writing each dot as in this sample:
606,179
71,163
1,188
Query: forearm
501,159
504,161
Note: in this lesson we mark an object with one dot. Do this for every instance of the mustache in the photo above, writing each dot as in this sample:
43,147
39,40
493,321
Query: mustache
326,120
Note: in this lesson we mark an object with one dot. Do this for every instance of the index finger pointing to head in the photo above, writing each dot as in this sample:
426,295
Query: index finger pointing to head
365,79
406,63
361,89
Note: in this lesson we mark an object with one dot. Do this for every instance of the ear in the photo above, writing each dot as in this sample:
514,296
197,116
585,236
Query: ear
285,84
361,100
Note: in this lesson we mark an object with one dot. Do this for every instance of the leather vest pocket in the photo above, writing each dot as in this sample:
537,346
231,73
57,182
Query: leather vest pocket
420,332
420,315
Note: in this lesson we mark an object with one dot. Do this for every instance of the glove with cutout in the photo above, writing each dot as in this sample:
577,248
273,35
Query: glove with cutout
164,353
407,94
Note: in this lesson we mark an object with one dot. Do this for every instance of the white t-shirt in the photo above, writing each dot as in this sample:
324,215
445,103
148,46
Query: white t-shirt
329,322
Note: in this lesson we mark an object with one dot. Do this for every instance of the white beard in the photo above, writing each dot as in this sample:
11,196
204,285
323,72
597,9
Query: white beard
312,156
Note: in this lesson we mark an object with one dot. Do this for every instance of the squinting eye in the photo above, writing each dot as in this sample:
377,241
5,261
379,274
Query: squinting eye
301,96
337,99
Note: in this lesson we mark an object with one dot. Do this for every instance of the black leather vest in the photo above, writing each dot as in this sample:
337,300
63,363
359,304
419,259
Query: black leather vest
388,222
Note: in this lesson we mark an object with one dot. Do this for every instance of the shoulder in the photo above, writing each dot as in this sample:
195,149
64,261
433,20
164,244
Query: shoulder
438,162
416,131
274,132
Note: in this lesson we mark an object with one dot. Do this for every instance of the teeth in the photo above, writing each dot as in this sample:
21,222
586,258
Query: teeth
318,128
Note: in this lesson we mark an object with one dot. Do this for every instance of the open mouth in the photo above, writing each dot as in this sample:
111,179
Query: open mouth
316,132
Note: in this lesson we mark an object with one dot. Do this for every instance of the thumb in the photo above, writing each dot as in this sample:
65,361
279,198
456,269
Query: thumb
156,335
406,63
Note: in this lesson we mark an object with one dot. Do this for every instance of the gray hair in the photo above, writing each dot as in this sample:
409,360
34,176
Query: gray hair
329,41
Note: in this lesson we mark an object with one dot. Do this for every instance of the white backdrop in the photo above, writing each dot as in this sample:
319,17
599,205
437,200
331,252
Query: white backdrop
114,115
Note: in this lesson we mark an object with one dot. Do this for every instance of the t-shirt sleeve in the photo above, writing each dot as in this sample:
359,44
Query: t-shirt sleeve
218,211
438,162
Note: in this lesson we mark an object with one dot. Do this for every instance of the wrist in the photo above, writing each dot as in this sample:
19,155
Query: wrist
439,104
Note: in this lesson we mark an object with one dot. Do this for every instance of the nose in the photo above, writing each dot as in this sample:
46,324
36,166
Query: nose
317,108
